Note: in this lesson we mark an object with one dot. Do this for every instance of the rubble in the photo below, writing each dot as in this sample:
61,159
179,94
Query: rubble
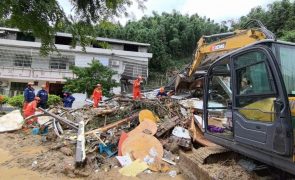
137,136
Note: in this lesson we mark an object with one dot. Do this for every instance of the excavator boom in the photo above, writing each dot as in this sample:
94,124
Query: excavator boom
226,42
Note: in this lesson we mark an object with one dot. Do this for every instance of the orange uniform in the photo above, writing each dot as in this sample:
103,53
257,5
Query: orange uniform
97,96
30,110
136,89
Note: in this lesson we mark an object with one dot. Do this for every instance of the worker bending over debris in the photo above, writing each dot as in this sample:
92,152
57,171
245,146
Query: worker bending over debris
30,110
68,100
43,95
162,93
97,95
29,95
136,88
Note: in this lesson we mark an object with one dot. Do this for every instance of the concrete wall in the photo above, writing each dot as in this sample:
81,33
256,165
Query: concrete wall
82,60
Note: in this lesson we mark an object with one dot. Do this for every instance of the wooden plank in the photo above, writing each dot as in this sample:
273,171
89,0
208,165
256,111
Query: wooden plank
198,135
112,125
167,125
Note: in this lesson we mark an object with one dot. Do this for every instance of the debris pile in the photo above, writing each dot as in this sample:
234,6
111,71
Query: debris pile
138,136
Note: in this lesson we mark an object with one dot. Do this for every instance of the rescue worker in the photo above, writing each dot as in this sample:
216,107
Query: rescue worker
30,110
29,95
43,95
68,100
161,93
136,88
97,95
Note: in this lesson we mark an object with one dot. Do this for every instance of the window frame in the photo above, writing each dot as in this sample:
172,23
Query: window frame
213,73
58,61
269,74
271,78
20,60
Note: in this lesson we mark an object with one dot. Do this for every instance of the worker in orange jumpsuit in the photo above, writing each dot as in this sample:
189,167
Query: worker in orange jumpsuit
97,95
136,88
31,109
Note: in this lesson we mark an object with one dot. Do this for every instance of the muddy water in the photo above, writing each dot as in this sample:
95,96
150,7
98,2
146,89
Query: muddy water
15,172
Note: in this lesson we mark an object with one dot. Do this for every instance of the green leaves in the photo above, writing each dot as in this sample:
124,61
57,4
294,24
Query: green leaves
87,78
3,99
16,101
172,36
53,100
278,17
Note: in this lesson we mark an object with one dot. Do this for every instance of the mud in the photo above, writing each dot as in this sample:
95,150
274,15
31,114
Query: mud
24,156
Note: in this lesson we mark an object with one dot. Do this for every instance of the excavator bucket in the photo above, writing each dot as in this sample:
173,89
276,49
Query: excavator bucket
182,82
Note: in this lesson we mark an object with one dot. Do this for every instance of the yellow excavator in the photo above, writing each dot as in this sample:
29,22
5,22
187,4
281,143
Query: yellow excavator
207,51
248,83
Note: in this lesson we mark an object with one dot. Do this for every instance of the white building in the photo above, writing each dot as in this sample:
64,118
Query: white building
21,62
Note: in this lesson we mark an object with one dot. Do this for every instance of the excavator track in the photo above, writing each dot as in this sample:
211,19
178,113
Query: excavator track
202,154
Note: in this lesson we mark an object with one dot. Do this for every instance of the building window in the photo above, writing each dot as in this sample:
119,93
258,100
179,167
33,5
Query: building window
130,47
17,86
24,37
22,60
58,63
63,40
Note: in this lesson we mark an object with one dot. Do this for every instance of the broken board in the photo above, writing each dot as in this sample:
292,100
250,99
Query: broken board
140,144
11,121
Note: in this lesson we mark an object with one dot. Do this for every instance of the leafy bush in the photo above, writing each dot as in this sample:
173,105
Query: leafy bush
53,100
3,99
16,101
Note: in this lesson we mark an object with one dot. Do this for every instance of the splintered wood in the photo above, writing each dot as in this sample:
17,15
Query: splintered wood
113,125
167,125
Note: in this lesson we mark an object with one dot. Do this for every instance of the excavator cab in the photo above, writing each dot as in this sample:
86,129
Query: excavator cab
249,102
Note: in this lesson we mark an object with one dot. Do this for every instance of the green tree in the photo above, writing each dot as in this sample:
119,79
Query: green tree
172,36
278,17
87,78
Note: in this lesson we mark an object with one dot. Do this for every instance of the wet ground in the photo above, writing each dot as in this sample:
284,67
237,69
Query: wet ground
23,156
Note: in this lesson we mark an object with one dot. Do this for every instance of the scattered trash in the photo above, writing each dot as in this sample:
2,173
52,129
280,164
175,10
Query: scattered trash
172,173
11,121
169,161
215,129
134,168
181,132
34,164
108,149
136,130
124,160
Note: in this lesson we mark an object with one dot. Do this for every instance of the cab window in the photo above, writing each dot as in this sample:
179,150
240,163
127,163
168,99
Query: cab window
255,92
